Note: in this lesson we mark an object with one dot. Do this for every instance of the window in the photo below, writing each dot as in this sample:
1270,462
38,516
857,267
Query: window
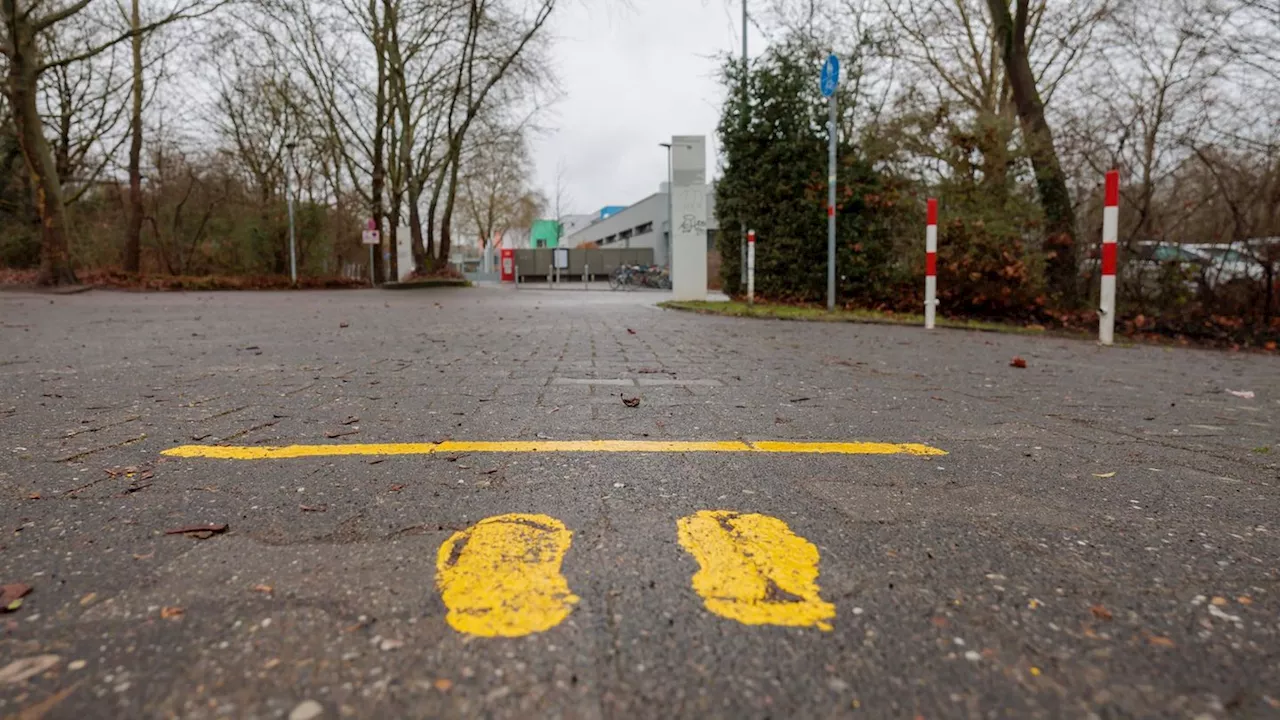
624,234
611,238
645,228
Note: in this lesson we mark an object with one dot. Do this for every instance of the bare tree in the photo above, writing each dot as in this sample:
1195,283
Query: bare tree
495,189
25,24
494,42
1061,253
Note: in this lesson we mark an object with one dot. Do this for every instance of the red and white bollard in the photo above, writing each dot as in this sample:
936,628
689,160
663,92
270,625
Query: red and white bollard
1110,230
751,267
931,265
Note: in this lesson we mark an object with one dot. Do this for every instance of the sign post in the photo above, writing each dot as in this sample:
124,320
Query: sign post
370,237
830,80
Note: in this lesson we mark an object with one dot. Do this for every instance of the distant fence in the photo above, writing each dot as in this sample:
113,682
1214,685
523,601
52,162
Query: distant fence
355,271
536,262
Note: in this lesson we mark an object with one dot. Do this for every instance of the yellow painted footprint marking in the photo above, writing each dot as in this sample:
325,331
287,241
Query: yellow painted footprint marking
501,577
753,569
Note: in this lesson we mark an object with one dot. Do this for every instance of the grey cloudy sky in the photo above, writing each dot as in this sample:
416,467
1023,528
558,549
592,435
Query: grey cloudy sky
632,74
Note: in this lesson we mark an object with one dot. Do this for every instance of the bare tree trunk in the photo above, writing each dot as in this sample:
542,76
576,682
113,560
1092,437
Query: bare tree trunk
1061,267
133,236
415,226
431,221
446,220
379,173
21,88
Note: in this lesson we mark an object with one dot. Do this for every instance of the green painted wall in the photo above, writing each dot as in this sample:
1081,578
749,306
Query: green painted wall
544,233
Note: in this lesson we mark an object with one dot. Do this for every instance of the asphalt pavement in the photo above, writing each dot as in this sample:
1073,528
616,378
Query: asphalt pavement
1093,535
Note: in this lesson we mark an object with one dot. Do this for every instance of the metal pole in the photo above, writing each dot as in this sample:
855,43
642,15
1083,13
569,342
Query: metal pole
293,246
931,263
745,95
671,223
1110,231
372,280
831,210
751,267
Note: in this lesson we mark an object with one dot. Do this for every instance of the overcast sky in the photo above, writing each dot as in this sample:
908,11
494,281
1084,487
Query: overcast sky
633,74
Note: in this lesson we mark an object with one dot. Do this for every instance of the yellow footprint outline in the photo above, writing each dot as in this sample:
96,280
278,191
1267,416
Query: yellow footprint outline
501,576
752,568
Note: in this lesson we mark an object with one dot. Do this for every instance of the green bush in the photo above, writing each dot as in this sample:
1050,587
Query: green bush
774,182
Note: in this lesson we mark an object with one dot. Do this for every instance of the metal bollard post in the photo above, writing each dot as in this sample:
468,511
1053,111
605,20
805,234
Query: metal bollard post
586,276
517,268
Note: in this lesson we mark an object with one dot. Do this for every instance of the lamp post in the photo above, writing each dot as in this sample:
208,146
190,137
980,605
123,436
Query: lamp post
288,191
671,225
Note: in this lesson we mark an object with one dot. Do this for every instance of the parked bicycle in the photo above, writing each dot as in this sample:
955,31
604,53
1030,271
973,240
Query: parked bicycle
632,276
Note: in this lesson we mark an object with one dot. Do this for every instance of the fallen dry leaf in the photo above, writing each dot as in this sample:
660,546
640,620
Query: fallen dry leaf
208,528
270,663
1017,362
89,598
33,496
1104,476
19,670
199,531
630,331
1100,612
1218,600
443,684
351,420
171,613
342,325
631,402
340,433
1160,641
265,589
1244,600
313,508
396,488
11,596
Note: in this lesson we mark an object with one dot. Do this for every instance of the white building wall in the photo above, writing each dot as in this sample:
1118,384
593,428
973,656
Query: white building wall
639,225
650,212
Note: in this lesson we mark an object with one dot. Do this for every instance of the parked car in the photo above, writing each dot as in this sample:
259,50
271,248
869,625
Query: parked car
1144,262
1232,261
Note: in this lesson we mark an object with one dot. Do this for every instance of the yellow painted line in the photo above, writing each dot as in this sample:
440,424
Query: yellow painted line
846,448
753,569
501,577
249,452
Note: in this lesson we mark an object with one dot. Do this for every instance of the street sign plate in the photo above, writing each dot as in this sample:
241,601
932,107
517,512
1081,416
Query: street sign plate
830,75
369,237
560,256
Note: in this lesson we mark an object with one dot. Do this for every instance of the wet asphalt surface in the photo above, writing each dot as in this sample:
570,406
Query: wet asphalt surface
1006,579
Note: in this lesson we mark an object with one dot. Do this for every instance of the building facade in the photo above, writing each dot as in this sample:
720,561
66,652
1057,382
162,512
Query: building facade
645,224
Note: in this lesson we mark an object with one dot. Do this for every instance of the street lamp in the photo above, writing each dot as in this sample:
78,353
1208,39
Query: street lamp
670,220
288,191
